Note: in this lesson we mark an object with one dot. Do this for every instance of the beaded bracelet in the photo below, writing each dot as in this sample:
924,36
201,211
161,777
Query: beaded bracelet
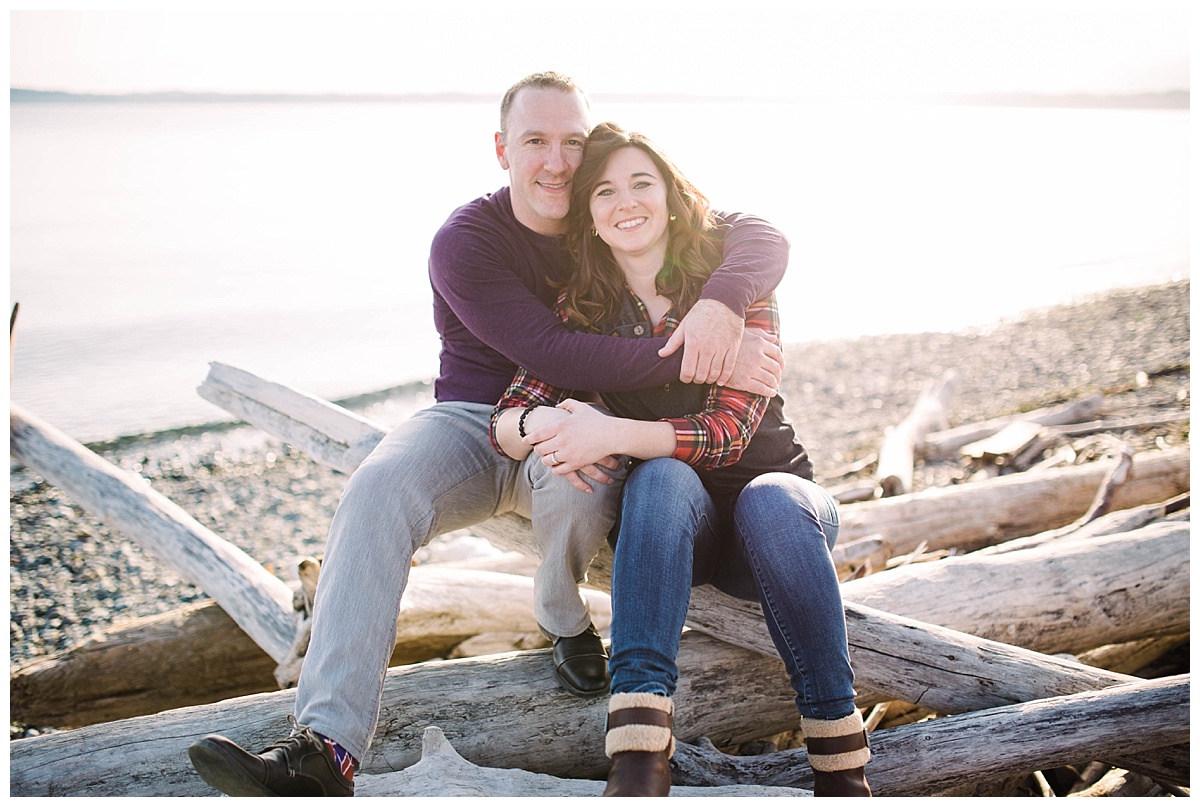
525,414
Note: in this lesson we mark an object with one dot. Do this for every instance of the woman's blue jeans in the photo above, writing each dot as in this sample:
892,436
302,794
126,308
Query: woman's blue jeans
774,547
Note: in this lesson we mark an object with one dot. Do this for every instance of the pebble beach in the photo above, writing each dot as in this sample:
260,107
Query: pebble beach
71,576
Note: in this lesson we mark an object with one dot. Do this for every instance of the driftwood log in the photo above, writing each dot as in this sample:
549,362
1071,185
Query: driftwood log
948,442
442,772
197,654
258,601
1064,597
557,734
479,696
902,443
1138,718
974,515
137,672
193,655
330,434
1107,524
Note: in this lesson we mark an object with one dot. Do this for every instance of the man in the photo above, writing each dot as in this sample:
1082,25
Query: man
494,266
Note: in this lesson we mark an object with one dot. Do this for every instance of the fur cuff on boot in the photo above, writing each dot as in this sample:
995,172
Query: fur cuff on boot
836,745
639,736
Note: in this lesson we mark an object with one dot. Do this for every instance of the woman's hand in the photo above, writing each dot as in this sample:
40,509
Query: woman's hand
577,443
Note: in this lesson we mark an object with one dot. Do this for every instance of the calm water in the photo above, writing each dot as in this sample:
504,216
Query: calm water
291,240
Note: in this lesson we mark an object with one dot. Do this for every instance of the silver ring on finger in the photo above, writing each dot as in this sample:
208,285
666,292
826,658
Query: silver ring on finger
554,458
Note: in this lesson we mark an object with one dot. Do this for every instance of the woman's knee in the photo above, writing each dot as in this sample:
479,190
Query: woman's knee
662,476
798,501
664,502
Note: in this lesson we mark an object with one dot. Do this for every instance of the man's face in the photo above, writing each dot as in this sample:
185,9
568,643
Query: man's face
541,149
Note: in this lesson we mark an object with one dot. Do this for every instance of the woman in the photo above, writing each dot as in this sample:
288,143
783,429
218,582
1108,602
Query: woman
722,492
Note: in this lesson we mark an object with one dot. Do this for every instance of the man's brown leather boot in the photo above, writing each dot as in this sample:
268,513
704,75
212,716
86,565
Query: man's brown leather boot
838,751
640,744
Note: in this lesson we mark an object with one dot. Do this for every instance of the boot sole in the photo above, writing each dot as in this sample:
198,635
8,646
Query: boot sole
221,772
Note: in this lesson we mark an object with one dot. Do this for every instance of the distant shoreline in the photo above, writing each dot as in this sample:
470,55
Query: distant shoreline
1172,99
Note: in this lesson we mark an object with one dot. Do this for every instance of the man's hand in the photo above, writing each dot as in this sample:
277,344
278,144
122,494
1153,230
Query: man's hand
759,366
711,335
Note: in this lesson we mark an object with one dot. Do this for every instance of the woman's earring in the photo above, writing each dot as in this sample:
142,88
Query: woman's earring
673,217
594,231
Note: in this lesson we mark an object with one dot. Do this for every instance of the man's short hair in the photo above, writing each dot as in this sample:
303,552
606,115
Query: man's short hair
546,80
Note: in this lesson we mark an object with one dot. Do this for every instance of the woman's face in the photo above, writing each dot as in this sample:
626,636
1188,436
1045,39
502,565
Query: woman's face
629,204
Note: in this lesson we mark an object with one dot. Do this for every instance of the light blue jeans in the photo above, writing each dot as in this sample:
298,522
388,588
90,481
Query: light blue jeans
435,473
773,547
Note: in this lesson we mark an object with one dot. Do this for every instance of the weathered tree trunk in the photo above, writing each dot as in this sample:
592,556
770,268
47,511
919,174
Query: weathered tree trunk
198,655
962,517
901,445
938,756
101,682
475,705
1064,597
189,656
443,607
259,602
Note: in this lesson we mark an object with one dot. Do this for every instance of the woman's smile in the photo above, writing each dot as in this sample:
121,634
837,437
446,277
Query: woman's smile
629,207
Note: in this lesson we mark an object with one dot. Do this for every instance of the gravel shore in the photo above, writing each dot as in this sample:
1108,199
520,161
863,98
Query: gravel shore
71,576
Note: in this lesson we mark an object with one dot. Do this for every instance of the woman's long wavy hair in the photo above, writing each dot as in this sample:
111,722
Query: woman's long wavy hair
595,291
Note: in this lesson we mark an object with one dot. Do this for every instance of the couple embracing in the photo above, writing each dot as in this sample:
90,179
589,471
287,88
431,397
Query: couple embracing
567,297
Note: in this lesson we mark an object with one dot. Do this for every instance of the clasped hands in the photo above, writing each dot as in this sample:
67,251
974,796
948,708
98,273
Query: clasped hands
572,443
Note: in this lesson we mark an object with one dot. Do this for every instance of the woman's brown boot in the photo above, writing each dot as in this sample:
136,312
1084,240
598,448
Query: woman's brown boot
838,751
640,744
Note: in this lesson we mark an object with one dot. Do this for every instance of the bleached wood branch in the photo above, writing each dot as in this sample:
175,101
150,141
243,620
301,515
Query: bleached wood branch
330,434
902,443
1108,524
259,602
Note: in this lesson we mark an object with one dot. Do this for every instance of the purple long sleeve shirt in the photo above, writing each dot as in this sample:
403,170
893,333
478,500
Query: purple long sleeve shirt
494,288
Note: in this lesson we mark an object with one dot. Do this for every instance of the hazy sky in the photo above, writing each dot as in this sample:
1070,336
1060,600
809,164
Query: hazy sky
736,47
